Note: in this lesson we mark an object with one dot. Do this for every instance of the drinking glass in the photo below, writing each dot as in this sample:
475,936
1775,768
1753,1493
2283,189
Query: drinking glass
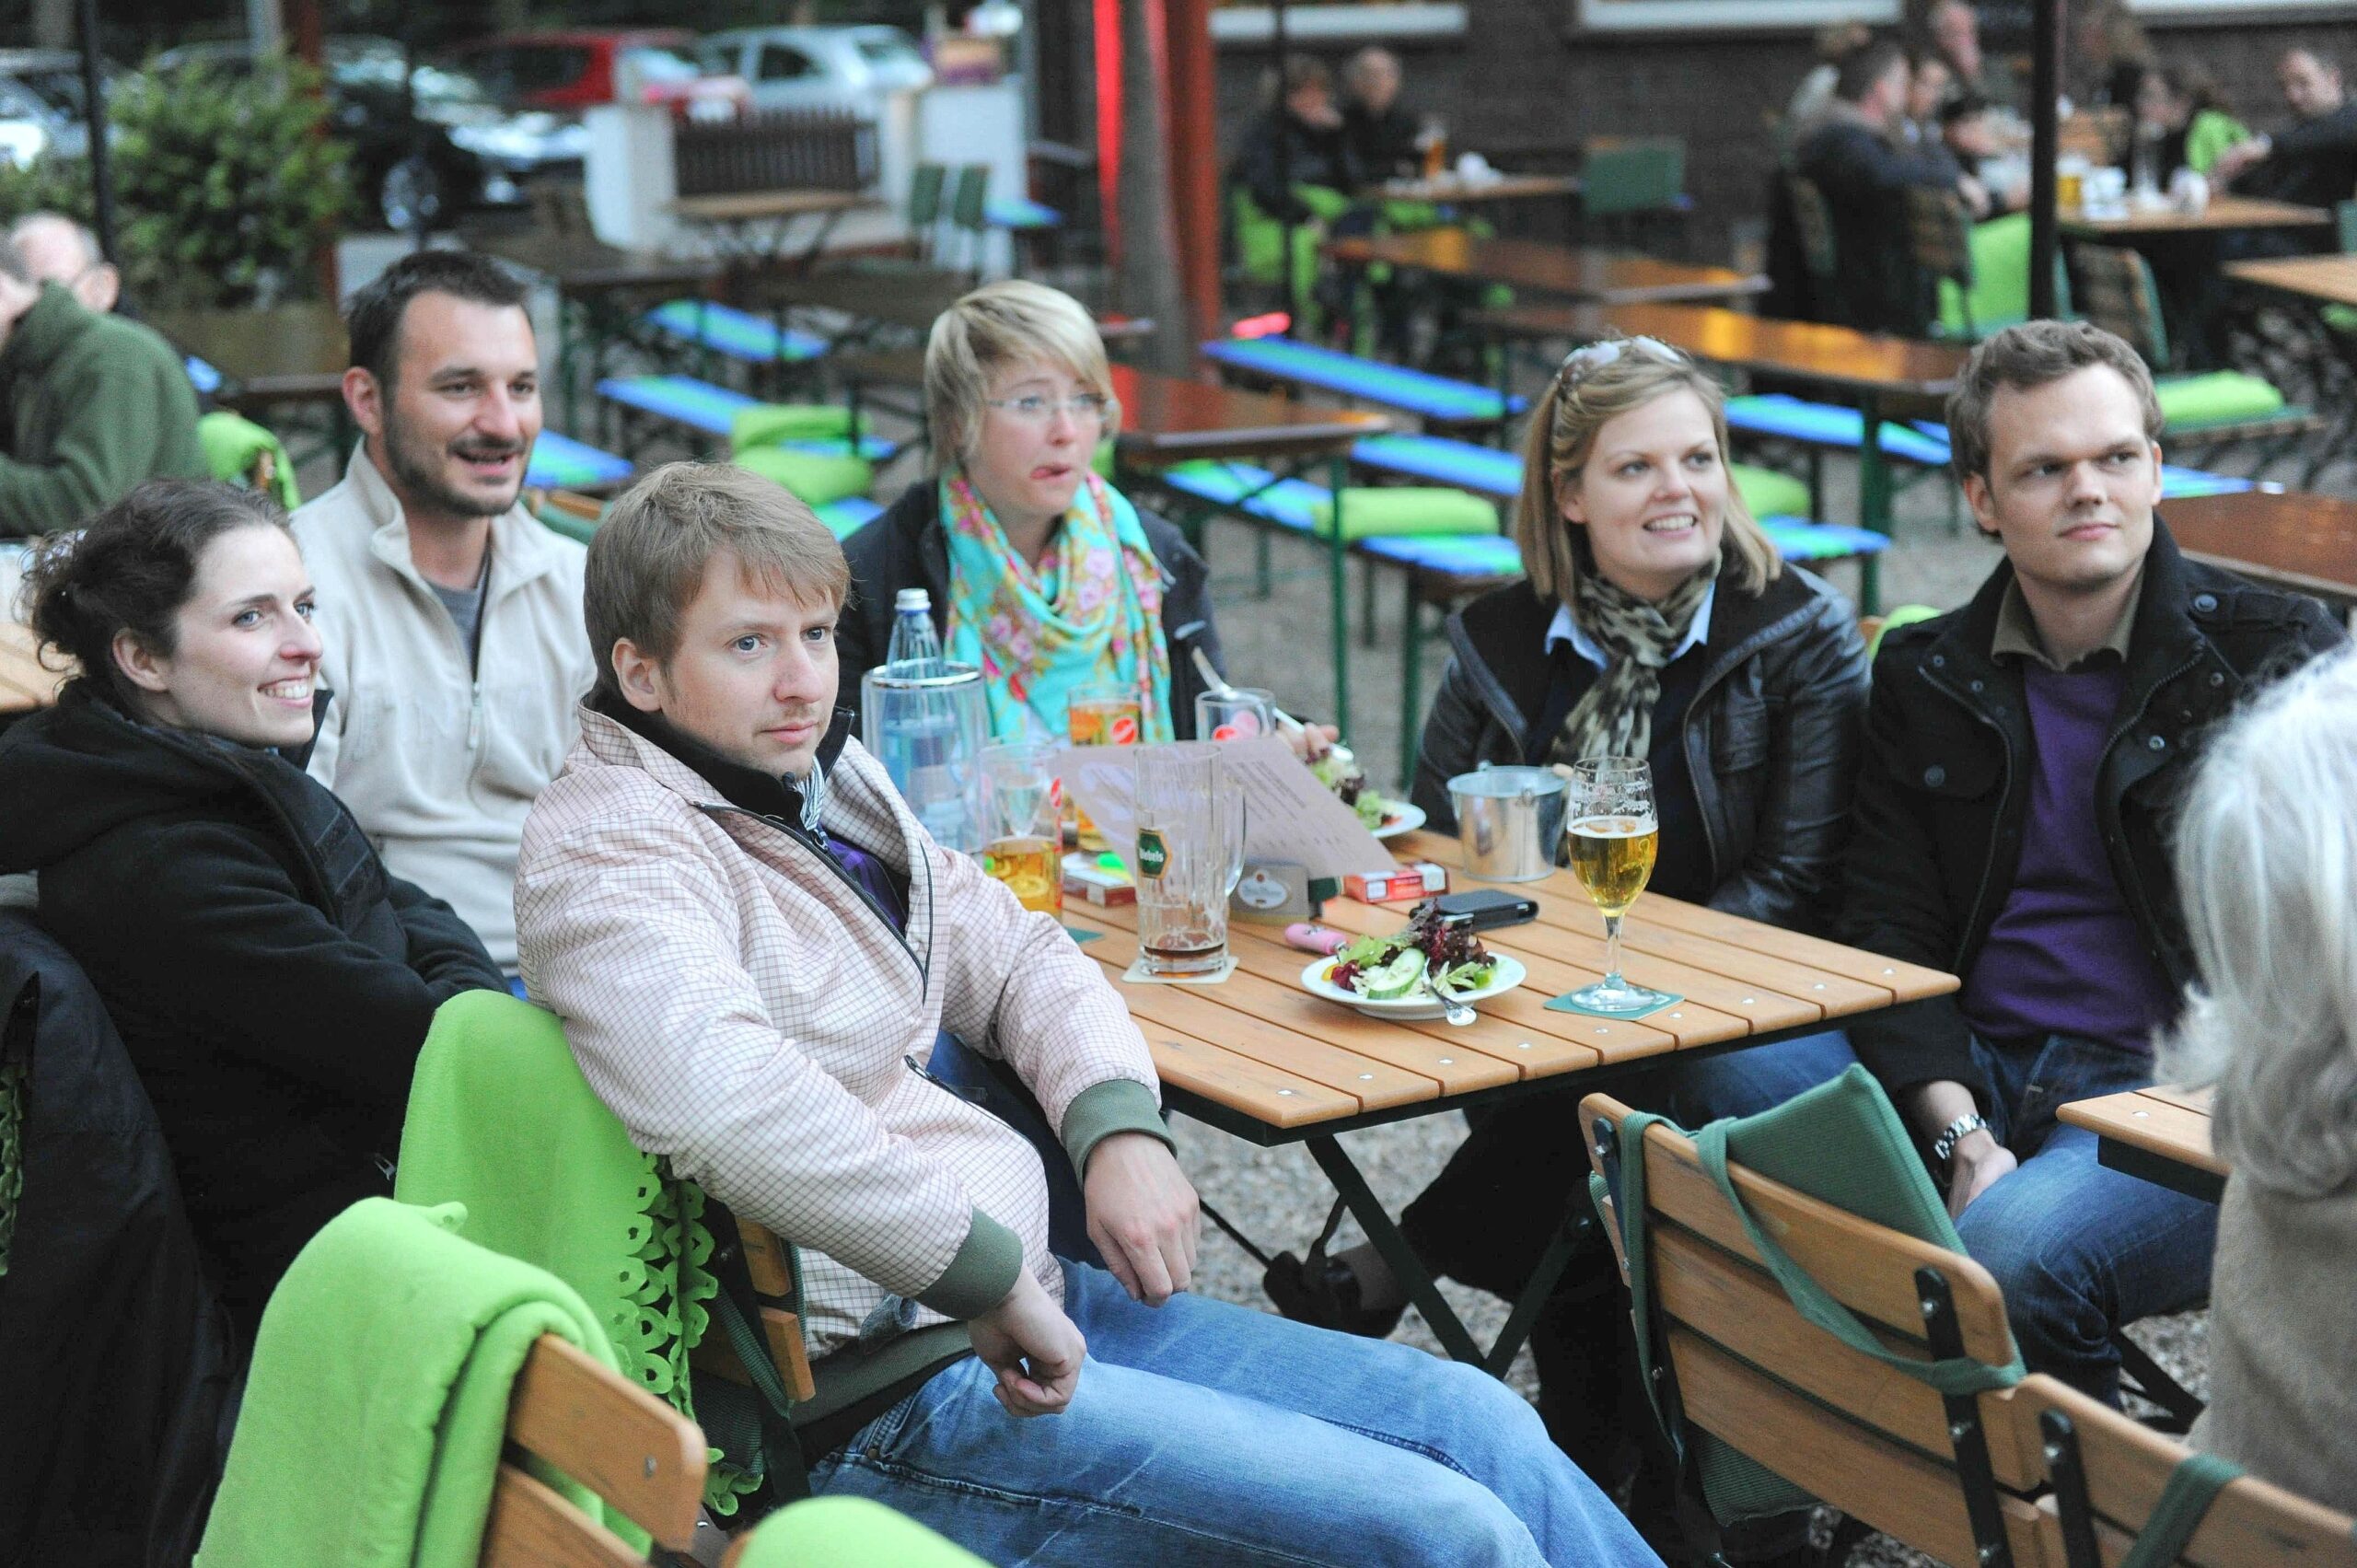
1613,836
1240,712
1190,854
1102,714
1022,823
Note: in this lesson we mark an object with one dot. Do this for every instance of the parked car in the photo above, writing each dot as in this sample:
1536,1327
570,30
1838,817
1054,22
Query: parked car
412,160
514,146
40,103
818,67
573,70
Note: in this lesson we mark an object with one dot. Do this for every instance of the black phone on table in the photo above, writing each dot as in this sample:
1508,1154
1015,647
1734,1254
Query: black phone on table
1485,909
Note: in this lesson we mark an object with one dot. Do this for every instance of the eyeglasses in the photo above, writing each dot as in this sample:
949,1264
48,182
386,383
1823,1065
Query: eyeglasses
1034,409
1582,363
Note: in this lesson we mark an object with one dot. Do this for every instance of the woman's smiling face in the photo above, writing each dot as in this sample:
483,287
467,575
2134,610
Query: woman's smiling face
1653,494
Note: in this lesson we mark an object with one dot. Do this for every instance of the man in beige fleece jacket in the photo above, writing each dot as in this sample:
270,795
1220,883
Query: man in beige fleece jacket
754,945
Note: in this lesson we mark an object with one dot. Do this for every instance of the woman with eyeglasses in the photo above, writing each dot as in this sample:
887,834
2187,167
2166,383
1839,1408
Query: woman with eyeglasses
1040,572
1654,620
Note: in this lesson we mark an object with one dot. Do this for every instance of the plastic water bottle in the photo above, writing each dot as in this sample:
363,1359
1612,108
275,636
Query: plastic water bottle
915,647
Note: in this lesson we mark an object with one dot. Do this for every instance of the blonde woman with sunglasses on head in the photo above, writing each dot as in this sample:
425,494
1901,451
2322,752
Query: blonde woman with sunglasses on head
1657,621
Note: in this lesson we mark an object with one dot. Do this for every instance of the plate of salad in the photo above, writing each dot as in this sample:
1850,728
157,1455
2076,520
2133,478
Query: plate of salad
1383,817
1379,975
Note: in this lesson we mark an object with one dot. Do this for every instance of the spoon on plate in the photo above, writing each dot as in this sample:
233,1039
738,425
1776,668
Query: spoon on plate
1457,1013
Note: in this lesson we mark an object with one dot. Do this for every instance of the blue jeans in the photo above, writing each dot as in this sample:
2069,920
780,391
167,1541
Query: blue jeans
1745,1081
2078,1250
1207,1433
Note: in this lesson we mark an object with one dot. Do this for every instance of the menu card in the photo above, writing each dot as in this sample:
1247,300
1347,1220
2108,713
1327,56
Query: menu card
1289,816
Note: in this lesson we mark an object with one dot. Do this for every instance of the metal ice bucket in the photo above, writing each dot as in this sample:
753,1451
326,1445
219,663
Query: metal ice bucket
1509,821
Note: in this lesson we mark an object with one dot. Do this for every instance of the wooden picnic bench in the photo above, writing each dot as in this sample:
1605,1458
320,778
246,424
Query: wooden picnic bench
2159,1134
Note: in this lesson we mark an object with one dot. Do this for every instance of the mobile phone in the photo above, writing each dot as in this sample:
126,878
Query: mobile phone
1485,909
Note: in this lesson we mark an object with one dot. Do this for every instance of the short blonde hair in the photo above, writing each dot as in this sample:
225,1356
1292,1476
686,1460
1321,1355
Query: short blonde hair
647,559
997,326
1563,431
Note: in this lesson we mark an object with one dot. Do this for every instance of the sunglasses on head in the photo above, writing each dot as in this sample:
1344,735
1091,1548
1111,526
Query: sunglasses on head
1582,363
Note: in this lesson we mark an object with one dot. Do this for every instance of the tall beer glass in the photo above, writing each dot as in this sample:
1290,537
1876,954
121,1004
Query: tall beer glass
1190,853
1102,714
1023,832
1612,834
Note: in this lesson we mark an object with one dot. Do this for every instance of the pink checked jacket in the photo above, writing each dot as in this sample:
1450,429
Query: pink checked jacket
746,1012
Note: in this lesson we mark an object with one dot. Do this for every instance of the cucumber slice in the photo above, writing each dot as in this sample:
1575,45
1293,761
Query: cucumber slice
1395,978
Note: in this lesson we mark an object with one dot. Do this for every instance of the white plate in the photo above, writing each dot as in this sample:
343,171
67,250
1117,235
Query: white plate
1508,974
1404,817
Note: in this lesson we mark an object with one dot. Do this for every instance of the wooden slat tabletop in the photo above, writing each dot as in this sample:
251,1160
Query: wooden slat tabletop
1259,1044
2223,214
2306,543
2171,1123
1168,420
2331,280
1588,272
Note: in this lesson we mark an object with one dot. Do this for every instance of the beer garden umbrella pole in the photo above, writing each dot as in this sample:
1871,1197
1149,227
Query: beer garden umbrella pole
2045,145
94,115
1290,289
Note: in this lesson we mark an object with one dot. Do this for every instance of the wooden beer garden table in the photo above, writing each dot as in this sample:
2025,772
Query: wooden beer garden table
753,224
1589,273
2160,1134
2225,214
1262,1058
287,353
2288,540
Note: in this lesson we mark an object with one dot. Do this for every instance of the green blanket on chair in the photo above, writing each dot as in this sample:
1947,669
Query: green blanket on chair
377,1408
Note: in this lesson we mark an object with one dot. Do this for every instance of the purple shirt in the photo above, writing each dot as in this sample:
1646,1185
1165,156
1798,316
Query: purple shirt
2065,956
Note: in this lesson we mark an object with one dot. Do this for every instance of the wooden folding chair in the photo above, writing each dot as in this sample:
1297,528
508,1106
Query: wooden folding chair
1813,221
2109,1472
770,1269
641,1456
1946,1475
1939,235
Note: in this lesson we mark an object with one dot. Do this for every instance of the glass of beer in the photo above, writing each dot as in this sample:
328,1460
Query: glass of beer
1612,835
1102,714
1022,823
1190,854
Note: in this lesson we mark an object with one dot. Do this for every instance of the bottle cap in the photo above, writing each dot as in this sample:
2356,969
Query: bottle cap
912,598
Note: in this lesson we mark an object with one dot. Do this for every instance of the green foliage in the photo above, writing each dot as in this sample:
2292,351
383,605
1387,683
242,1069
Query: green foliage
226,183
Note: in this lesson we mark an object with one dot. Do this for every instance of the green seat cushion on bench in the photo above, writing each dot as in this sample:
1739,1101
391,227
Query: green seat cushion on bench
1767,493
2000,277
813,477
768,424
2217,398
1369,512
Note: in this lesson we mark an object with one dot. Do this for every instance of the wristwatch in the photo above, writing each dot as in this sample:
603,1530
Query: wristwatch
1944,1147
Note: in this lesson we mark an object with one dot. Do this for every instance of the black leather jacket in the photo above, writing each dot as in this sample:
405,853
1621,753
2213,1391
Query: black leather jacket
905,547
1943,795
1772,736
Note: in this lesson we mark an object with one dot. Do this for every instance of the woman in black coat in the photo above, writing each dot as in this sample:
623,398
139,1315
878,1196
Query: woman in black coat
272,983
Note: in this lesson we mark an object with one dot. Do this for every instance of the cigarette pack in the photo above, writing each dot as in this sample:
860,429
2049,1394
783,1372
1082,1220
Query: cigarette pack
1106,886
1400,884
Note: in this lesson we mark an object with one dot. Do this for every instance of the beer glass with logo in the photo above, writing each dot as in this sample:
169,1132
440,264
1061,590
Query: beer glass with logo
1022,828
1611,834
1190,853
1102,714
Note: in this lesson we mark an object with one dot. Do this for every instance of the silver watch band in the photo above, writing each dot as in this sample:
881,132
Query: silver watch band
1944,1147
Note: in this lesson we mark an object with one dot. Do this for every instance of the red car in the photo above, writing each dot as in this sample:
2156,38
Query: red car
573,70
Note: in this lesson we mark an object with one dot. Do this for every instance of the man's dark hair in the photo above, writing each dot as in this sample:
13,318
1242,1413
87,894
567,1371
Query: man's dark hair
1862,68
12,261
2034,354
373,319
1964,105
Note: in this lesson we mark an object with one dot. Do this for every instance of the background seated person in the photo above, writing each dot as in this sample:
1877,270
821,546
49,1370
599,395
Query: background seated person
271,981
1040,573
1969,133
2013,824
1379,130
2314,160
753,945
2265,857
1857,163
1929,85
94,404
1954,27
57,249
2181,113
1657,621
1299,141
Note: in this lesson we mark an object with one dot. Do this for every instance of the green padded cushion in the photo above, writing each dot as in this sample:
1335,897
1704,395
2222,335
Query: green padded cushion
2342,318
1905,615
815,477
1102,459
1767,494
848,1532
764,425
579,529
2000,276
1840,1143
1369,513
2214,399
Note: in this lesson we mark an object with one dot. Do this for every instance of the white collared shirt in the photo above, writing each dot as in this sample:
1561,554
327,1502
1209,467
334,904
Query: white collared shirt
1565,628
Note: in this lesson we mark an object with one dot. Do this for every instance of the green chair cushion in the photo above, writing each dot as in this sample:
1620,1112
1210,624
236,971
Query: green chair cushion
1840,1143
232,442
1905,615
848,1532
2217,398
815,477
579,529
1767,493
766,424
2000,277
1372,511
